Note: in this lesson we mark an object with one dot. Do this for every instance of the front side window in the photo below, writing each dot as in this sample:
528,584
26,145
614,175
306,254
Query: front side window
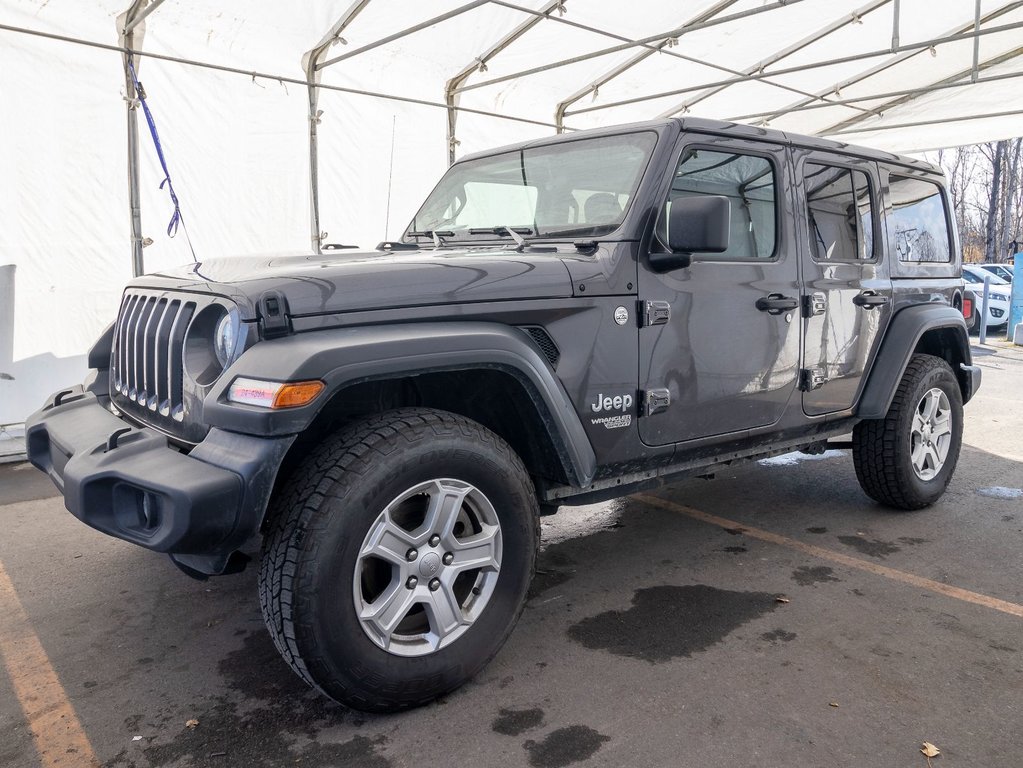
570,188
919,221
748,181
839,212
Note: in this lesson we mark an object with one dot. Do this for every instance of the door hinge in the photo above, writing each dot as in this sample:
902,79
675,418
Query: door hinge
814,304
655,401
654,313
811,378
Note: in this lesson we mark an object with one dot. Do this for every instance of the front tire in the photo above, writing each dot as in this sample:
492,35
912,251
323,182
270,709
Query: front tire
907,459
398,558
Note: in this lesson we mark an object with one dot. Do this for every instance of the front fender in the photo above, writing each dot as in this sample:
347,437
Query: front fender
904,333
345,356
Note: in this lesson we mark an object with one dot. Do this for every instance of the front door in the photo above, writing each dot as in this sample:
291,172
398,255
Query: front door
847,290
719,342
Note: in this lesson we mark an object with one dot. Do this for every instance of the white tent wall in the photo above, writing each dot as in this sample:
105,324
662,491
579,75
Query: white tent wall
63,219
237,146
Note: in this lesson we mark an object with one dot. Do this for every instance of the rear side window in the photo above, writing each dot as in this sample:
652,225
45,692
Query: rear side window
919,221
748,181
840,213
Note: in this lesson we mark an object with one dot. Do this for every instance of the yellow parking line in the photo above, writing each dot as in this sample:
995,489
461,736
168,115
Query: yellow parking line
58,736
838,557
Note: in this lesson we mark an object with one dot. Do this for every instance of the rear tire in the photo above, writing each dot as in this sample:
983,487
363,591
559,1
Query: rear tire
907,459
350,607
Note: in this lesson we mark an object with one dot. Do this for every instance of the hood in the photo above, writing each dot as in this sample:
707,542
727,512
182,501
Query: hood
351,281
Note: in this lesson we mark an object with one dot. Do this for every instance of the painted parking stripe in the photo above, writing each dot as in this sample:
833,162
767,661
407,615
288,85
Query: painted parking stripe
838,557
56,731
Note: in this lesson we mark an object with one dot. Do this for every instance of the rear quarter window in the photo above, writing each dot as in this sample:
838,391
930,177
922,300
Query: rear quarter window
919,222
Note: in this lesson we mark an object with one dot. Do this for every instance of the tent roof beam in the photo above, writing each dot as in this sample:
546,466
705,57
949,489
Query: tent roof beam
774,58
917,91
629,44
951,80
917,47
405,32
899,58
133,20
922,123
625,66
480,63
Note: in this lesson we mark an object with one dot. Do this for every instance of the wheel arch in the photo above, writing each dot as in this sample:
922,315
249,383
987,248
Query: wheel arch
933,330
488,372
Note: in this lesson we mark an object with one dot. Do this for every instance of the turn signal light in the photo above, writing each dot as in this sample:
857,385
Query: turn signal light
273,394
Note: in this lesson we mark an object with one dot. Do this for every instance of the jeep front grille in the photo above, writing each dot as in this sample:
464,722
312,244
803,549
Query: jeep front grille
146,366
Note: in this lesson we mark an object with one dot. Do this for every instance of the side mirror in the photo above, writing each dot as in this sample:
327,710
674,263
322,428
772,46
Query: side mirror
697,224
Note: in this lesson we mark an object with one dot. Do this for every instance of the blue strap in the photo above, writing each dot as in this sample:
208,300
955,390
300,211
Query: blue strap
176,218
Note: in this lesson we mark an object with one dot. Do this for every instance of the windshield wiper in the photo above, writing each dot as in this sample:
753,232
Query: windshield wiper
509,231
436,234
515,233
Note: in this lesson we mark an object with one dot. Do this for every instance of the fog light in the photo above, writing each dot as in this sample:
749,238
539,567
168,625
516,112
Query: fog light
273,394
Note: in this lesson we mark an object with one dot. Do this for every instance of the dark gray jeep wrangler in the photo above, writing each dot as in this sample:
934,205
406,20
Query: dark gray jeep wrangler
564,321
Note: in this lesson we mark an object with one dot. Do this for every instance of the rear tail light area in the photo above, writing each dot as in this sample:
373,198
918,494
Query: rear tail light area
967,307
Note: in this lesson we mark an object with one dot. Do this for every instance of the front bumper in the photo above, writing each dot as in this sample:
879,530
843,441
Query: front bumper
129,482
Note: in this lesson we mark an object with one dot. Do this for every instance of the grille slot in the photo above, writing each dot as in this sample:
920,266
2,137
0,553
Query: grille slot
147,365
545,342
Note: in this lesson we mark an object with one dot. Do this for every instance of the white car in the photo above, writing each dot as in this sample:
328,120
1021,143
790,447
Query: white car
1003,271
998,295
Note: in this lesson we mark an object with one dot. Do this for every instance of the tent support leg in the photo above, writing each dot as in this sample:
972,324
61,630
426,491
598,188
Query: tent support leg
130,31
311,64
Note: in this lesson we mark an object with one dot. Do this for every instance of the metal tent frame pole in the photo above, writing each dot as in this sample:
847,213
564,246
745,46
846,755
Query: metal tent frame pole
763,64
311,66
625,66
905,52
904,49
479,64
130,33
626,45
920,90
951,80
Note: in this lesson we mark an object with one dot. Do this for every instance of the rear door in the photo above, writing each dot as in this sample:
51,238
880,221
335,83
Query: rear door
719,342
847,290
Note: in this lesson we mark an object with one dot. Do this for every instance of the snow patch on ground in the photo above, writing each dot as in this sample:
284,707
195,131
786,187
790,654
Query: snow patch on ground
573,522
1000,492
791,459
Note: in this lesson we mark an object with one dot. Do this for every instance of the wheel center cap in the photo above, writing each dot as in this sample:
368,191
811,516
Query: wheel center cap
429,565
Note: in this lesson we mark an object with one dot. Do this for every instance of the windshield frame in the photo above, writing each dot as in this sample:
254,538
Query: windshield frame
533,232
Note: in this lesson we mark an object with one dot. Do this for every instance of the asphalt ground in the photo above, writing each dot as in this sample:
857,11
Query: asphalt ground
654,636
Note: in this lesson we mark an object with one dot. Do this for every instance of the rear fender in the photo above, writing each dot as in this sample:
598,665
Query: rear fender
906,333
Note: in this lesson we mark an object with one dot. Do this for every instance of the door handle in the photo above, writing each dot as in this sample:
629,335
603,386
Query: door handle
775,304
869,300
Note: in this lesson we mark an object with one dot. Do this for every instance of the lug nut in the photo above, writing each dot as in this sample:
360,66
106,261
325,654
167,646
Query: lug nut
434,585
411,555
448,558
411,583
434,540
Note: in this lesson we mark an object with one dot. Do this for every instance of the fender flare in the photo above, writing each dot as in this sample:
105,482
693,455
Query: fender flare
900,341
342,357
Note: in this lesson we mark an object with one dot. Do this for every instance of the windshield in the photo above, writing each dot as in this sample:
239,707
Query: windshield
572,188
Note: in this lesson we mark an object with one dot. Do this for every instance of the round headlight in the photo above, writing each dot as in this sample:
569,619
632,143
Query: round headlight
224,339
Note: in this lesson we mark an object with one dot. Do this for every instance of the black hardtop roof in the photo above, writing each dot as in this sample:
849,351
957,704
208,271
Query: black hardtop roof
720,128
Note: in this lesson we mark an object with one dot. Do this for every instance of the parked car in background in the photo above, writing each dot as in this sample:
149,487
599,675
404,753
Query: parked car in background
998,296
1003,271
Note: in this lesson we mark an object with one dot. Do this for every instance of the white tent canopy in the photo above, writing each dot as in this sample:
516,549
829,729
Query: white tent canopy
404,87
